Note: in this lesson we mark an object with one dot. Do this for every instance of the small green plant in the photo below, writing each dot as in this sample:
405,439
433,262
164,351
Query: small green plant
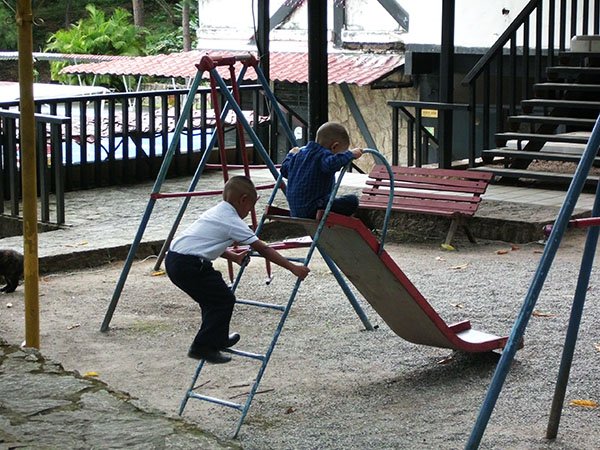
97,35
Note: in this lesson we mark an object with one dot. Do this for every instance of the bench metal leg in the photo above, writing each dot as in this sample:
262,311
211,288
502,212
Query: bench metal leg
468,232
451,231
453,227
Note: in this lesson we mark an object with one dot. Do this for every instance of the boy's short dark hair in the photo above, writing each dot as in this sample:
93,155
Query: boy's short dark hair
330,132
239,184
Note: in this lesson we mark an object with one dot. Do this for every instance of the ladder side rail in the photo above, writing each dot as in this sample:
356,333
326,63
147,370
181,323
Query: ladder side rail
168,157
388,210
190,390
518,330
288,307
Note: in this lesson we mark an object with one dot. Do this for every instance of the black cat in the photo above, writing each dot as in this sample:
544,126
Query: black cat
11,268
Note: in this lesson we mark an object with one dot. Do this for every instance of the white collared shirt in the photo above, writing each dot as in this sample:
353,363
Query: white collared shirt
215,230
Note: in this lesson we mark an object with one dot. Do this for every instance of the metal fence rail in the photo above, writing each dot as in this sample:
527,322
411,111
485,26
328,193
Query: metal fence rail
49,130
120,138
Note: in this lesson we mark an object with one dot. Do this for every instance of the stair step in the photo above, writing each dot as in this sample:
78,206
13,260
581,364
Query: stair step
552,120
502,138
566,87
549,103
531,174
571,71
568,58
546,156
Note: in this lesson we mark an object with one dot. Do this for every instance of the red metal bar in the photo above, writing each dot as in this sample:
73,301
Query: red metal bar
209,63
576,223
159,195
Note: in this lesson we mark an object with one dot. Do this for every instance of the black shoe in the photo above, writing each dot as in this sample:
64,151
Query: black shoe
209,354
233,339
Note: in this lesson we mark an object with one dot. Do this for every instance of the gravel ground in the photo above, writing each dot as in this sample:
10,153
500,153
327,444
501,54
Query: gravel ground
330,384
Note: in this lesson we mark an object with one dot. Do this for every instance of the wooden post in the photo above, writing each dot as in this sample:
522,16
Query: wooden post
28,173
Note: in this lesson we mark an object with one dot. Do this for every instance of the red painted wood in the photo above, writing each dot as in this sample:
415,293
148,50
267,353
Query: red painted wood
445,192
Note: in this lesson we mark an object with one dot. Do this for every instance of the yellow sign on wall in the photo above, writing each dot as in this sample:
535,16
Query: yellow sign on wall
432,113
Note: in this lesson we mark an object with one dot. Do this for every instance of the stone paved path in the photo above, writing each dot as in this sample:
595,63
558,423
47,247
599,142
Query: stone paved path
44,406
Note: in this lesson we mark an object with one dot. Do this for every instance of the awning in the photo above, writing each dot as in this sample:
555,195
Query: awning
351,68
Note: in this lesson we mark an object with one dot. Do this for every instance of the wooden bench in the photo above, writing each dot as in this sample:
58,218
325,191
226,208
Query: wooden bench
451,193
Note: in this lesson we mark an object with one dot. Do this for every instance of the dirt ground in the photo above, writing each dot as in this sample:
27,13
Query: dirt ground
330,384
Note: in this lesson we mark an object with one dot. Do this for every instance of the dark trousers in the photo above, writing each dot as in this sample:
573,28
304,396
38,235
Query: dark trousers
344,204
198,279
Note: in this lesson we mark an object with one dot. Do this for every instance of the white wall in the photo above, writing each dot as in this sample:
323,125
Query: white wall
478,23
228,24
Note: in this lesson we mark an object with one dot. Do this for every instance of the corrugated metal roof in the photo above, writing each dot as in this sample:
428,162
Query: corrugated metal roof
360,69
45,56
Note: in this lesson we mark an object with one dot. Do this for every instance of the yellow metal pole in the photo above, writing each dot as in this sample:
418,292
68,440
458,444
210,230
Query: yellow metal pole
28,174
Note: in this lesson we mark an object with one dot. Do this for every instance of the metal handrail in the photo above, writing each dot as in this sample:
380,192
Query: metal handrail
501,42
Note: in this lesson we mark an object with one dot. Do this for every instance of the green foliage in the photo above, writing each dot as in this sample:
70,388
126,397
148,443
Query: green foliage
97,35
166,32
8,36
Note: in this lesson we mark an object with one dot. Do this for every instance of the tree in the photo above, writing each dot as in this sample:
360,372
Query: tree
97,35
138,12
185,25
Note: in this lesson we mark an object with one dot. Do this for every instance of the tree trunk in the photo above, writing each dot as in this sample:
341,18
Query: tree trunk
138,12
185,25
67,13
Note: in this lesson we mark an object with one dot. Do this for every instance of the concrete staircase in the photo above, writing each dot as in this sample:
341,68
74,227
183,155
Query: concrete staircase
555,125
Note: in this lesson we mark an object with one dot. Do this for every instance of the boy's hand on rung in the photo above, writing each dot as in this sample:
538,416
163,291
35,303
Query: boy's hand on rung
300,271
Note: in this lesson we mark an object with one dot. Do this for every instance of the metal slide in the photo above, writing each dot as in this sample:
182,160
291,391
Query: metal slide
356,252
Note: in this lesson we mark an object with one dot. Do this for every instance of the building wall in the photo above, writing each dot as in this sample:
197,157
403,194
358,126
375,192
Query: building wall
373,106
478,23
377,115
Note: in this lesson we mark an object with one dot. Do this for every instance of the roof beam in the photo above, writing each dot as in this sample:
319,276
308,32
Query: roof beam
284,11
396,11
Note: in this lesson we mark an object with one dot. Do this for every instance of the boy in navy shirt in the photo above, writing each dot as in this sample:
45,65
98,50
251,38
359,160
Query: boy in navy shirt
310,172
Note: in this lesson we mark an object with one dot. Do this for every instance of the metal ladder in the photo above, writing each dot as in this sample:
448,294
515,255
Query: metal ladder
191,393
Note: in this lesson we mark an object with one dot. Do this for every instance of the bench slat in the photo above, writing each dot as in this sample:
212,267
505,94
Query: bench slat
425,195
380,171
428,206
472,188
431,179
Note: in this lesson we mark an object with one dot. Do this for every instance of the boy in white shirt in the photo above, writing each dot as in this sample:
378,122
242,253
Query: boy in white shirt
189,265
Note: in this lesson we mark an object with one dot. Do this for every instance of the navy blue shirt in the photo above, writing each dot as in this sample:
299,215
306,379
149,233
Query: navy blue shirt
310,174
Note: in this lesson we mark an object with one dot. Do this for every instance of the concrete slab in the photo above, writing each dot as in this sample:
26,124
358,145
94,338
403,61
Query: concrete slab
102,223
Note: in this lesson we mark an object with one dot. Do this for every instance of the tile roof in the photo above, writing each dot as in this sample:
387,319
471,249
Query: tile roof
361,69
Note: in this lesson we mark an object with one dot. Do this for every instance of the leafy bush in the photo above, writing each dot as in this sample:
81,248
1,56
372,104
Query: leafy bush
97,35
8,37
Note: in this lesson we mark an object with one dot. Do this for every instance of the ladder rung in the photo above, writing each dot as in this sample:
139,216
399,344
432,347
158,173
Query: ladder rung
246,354
261,304
218,401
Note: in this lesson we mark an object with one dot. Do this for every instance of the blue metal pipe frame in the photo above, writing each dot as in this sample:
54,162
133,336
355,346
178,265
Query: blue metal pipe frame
148,212
583,282
533,293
